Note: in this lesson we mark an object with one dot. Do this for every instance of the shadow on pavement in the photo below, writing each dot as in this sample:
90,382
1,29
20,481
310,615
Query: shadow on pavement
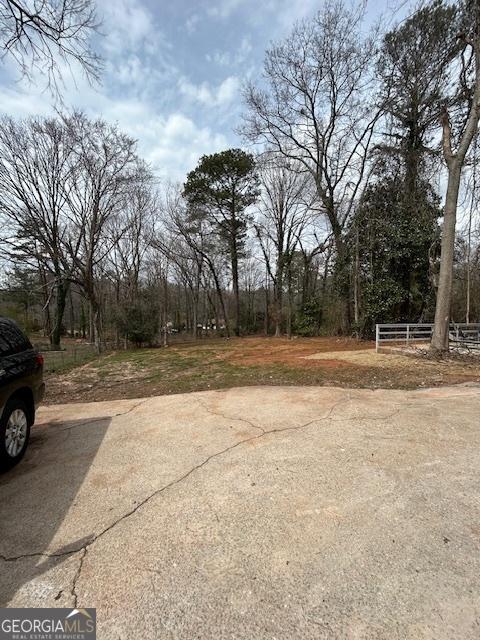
36,495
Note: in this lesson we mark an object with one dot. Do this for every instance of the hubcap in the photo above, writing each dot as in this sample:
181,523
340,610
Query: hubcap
16,433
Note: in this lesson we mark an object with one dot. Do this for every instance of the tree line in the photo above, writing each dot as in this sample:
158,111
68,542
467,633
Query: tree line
334,218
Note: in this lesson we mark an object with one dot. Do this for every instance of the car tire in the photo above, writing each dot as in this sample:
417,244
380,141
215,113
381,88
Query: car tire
14,433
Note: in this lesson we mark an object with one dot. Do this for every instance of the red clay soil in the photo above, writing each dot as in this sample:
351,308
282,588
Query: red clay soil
258,351
224,363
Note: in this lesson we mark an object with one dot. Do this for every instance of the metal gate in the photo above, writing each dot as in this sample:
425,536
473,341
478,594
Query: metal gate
460,334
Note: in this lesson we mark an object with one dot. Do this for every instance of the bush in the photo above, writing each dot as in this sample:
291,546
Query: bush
139,322
308,319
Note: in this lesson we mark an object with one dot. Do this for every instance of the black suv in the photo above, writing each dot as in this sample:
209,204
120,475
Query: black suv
21,389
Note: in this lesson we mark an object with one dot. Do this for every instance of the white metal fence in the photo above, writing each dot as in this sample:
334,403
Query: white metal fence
467,335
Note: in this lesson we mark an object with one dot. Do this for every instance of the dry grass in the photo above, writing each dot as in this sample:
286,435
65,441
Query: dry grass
222,363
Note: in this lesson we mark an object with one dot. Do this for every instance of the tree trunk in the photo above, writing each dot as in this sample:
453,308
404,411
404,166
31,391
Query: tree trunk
454,163
341,273
91,323
61,297
211,308
221,300
95,320
83,322
217,318
117,330
444,292
278,300
469,243
97,326
194,318
469,250
72,314
47,322
236,291
290,304
342,284
356,282
266,317
165,312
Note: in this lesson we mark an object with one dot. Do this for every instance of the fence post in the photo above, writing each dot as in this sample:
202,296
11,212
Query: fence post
377,337
408,334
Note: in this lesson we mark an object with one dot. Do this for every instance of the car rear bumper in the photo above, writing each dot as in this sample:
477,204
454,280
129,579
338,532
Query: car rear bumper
38,394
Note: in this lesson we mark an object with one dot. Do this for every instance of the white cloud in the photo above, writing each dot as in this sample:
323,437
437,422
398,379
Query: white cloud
222,58
244,50
176,144
224,8
147,87
290,11
135,49
127,25
21,104
227,90
229,58
191,23
128,71
171,144
210,96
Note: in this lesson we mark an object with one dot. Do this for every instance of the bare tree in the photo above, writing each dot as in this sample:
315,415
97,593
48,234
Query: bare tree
106,171
40,34
317,109
35,166
131,232
282,217
187,266
204,243
457,137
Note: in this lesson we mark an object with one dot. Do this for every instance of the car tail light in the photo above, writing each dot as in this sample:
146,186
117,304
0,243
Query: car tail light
39,359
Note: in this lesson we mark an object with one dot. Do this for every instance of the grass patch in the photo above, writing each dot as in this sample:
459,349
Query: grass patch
64,361
222,364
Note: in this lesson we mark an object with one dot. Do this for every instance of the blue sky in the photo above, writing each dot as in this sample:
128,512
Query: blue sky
173,72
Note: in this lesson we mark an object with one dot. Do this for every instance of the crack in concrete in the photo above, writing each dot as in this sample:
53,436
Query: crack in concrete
225,417
73,591
371,418
85,546
42,554
85,423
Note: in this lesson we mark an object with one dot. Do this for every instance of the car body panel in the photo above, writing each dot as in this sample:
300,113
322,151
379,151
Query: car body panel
20,366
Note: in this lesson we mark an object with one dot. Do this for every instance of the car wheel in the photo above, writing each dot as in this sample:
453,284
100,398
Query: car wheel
14,434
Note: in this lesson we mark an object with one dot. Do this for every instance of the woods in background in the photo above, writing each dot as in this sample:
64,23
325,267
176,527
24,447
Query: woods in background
332,220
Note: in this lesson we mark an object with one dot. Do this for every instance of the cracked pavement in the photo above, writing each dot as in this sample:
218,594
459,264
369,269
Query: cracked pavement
260,512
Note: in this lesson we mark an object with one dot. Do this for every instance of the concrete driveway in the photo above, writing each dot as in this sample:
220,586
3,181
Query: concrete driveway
276,513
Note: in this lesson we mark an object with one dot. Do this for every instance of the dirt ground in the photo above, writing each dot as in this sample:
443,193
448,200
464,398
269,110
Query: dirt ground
224,363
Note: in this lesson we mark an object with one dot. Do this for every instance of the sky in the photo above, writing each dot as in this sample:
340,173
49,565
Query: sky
173,73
